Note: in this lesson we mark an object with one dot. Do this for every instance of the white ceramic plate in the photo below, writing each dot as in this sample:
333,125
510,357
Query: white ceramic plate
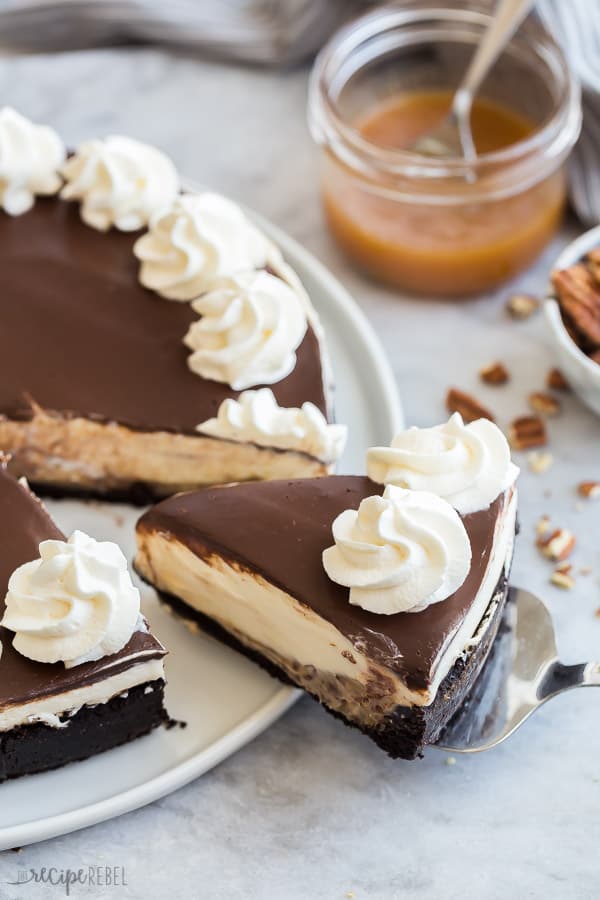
225,699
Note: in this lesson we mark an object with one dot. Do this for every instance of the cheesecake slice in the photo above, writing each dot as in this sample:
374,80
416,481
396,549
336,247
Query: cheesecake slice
246,561
100,394
51,714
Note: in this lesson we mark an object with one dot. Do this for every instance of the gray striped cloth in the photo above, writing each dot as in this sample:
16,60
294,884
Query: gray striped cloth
285,31
575,24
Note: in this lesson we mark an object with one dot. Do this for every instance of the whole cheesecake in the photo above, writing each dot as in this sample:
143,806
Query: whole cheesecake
380,596
110,278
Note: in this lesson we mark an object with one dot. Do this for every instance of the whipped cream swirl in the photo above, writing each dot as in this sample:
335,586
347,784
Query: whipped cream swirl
200,238
252,324
257,418
467,465
400,552
74,604
30,159
120,182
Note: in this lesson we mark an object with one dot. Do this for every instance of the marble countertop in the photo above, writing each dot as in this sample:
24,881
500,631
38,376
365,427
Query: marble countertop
312,810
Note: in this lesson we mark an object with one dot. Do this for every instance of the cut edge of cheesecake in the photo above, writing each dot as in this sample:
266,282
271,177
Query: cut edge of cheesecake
67,448
76,456
246,609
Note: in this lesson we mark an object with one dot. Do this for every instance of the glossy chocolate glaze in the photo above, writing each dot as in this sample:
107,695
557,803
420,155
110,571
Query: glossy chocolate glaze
80,336
280,529
24,523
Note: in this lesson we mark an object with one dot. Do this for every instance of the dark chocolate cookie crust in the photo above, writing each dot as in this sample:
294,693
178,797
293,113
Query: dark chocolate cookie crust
33,748
405,733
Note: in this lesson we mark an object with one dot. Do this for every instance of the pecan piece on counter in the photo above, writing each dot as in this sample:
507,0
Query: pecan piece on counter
543,403
495,373
522,306
556,381
465,404
558,545
563,578
527,432
589,489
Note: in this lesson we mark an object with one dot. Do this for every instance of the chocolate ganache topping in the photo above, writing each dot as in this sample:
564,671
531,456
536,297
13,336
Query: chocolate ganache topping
279,529
24,523
81,337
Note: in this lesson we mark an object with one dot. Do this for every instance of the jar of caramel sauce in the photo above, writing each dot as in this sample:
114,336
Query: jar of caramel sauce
431,225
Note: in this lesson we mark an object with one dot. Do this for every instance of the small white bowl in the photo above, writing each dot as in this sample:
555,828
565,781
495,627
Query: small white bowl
582,373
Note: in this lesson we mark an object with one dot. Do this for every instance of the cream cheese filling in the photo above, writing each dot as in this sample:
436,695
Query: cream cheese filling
49,709
268,619
51,449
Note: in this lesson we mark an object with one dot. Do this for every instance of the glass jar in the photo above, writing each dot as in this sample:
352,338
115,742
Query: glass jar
432,225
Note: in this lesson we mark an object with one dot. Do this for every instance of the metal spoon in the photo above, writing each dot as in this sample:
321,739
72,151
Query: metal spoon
523,673
454,137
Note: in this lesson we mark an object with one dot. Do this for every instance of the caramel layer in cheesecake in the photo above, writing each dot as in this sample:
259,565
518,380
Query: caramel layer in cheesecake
277,531
24,523
80,336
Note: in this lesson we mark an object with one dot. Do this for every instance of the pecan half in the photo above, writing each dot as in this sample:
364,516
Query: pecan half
543,403
465,404
527,432
522,306
578,295
495,373
556,381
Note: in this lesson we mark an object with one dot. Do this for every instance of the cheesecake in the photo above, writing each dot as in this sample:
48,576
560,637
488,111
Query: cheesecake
135,317
80,672
380,596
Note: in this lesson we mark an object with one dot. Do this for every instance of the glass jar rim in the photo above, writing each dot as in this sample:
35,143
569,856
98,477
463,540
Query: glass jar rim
557,134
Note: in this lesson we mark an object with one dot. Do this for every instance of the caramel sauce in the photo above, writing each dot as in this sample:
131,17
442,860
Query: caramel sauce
435,247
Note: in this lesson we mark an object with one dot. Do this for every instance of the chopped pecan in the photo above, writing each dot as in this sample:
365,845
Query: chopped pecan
543,526
527,432
540,461
562,578
543,403
557,546
495,373
589,489
579,298
465,404
556,381
522,306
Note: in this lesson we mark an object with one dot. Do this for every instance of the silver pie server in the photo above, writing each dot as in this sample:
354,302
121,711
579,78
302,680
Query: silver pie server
523,673
453,136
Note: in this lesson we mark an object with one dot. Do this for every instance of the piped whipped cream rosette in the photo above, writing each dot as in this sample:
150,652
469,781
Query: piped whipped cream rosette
252,324
30,159
257,418
74,604
467,465
120,182
400,552
201,237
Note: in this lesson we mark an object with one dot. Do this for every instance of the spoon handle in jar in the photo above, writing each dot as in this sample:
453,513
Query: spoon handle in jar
508,15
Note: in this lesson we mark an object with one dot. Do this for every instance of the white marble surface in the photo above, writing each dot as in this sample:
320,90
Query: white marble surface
311,809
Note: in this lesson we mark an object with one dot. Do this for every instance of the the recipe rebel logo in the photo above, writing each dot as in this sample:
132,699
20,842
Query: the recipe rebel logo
88,877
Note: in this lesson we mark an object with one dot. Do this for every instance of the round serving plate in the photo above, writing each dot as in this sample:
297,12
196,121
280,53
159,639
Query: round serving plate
224,699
